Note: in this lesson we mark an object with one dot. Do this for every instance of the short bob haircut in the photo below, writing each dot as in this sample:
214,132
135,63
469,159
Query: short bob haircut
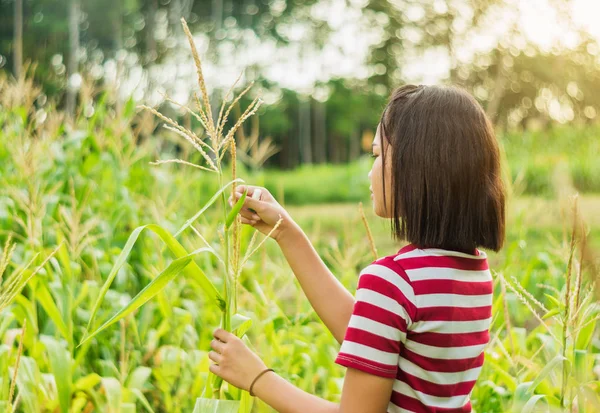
448,191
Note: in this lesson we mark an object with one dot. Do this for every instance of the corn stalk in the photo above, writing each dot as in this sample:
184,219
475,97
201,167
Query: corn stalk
212,151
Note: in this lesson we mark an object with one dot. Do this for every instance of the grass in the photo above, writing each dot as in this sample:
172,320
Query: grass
537,214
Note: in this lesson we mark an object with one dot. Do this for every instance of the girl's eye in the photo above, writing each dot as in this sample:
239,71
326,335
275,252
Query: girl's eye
374,156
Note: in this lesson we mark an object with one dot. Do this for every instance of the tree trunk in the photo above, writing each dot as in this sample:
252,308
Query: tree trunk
217,12
72,69
320,131
18,43
334,148
354,150
151,51
304,130
118,27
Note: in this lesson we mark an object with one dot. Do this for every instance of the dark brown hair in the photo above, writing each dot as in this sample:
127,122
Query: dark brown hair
446,177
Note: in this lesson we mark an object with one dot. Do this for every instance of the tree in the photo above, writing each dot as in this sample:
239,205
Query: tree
73,66
18,42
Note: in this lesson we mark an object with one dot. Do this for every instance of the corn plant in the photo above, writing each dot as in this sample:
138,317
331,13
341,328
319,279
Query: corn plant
549,367
213,153
10,288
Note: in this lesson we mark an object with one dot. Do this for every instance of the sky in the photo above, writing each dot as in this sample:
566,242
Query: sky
299,66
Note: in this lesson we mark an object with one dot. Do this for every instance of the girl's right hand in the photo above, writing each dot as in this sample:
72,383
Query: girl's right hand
268,211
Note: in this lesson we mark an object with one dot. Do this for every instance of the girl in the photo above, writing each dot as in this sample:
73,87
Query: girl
413,337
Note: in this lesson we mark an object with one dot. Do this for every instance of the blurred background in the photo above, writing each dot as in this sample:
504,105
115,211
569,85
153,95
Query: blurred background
324,68
75,154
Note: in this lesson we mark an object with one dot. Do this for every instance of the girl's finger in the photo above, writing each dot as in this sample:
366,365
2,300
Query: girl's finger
248,221
214,356
223,335
246,209
249,215
215,369
239,190
217,345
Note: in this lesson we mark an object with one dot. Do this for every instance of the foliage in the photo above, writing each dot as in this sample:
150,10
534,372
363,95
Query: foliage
87,185
517,81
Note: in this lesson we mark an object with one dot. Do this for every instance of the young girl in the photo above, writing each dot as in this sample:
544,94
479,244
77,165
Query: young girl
413,337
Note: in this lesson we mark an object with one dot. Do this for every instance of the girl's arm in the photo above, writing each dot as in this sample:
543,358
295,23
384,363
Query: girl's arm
362,393
331,301
238,365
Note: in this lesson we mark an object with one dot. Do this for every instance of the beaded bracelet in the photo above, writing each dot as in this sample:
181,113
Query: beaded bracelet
258,377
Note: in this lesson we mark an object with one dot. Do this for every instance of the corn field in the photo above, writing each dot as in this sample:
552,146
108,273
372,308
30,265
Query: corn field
118,263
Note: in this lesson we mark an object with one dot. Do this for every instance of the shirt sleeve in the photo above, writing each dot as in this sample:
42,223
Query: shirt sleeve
380,320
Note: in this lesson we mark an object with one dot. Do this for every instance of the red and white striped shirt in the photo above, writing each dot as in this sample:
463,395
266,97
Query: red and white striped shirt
422,316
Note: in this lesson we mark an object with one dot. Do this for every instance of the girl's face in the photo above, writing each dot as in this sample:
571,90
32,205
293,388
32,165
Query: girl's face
376,177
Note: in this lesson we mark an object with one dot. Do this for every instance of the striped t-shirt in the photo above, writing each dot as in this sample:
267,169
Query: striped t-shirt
422,316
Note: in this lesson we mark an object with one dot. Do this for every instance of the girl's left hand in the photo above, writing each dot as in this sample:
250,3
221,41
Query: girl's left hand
235,362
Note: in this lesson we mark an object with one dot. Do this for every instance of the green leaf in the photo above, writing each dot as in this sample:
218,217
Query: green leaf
127,408
63,255
551,313
216,406
205,207
140,396
44,297
153,288
240,324
235,210
528,407
554,300
88,382
28,381
558,360
584,336
139,377
192,271
112,388
246,403
521,396
507,378
60,364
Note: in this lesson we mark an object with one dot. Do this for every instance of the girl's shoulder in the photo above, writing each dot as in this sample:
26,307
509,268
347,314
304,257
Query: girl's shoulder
415,264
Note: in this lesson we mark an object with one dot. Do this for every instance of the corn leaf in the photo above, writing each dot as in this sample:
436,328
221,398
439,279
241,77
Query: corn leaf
60,364
44,297
138,378
240,324
88,382
205,207
584,336
556,361
216,406
140,396
554,300
112,388
529,406
235,210
153,288
521,396
192,271
552,313
28,380
507,378
246,403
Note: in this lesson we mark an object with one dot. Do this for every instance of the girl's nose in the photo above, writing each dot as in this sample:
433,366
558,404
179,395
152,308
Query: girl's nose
369,176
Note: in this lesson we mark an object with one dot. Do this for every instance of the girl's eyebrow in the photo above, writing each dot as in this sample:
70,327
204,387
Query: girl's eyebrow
374,144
